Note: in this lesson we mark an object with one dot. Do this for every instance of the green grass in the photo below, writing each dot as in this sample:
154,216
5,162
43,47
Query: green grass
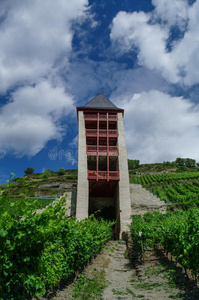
116,292
131,292
90,288
153,270
147,285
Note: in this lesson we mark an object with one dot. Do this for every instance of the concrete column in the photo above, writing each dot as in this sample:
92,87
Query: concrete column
124,188
82,184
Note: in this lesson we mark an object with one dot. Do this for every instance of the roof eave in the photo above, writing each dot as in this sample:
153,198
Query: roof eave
83,108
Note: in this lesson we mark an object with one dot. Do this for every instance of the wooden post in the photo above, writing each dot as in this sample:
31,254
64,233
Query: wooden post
142,246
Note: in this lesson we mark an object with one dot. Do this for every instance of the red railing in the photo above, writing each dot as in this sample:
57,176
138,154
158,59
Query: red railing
102,150
113,132
102,132
112,117
91,132
102,174
113,151
102,117
91,148
113,175
92,174
90,116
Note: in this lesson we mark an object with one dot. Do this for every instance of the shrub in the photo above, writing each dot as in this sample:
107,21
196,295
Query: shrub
61,171
46,174
133,164
29,171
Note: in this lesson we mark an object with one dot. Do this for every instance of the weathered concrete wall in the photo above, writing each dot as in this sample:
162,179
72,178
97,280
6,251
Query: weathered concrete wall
117,224
82,185
124,189
71,203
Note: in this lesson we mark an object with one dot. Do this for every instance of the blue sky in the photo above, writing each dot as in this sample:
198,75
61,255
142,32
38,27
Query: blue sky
56,55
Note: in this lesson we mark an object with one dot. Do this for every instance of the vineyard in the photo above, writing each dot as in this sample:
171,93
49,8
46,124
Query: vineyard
19,206
40,250
176,232
179,189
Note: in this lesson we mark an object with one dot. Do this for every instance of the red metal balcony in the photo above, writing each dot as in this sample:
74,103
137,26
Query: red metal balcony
113,132
102,132
102,150
114,175
91,132
113,151
90,117
103,175
102,117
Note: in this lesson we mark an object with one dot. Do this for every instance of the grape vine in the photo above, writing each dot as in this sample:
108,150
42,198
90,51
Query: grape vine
177,233
40,250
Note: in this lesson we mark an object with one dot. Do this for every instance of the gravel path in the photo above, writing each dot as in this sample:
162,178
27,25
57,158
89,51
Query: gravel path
118,273
145,281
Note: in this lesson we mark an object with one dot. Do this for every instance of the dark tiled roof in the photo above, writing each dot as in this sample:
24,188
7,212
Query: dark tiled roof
101,102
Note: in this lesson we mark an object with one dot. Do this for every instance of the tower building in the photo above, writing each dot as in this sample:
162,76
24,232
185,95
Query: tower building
103,179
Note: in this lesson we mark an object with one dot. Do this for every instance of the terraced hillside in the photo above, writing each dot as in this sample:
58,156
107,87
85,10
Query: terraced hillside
178,189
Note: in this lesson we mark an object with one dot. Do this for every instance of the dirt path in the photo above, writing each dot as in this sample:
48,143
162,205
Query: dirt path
153,280
133,281
118,274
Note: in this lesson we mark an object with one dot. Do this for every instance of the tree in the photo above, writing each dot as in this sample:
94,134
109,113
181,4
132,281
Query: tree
46,174
166,163
133,164
61,171
180,162
190,163
29,171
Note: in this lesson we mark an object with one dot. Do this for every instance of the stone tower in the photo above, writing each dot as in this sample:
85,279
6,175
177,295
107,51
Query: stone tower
103,179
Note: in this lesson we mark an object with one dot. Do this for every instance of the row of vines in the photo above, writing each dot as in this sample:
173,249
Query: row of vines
182,189
177,232
164,177
40,250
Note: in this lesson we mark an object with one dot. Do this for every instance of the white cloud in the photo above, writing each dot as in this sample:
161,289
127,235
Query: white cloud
132,30
160,127
33,34
74,142
186,52
142,31
33,117
174,12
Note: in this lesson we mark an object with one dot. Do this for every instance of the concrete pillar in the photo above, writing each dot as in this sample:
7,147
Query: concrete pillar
124,188
82,184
